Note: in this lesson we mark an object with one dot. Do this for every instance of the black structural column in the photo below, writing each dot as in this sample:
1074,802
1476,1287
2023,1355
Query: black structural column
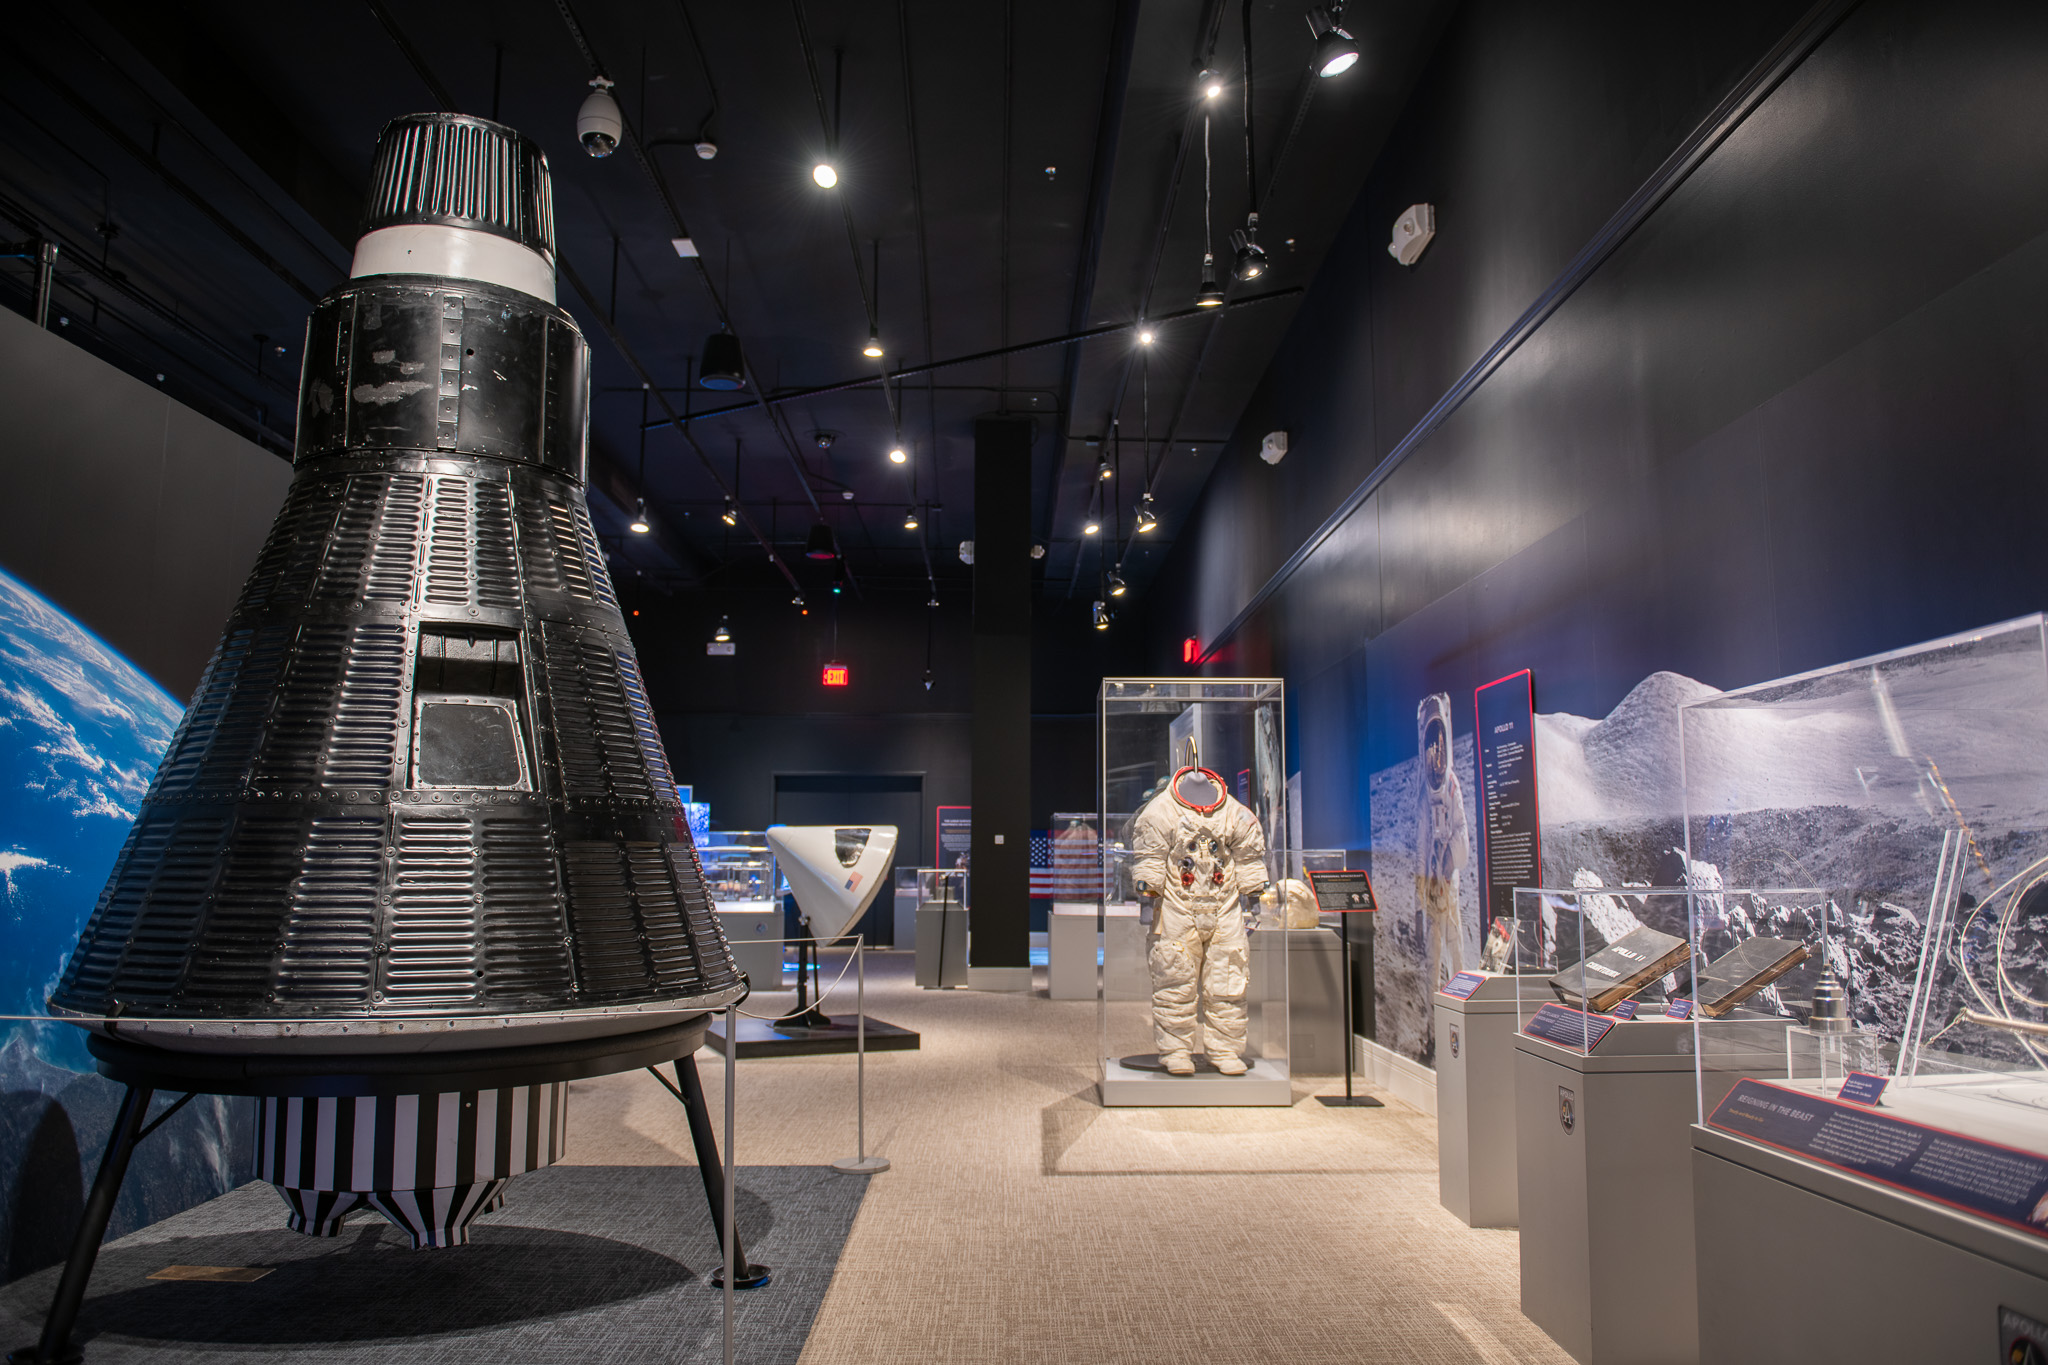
1001,785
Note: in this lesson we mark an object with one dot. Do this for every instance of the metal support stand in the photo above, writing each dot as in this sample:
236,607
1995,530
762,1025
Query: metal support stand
860,1163
728,1230
806,1014
46,281
715,1190
1347,1100
56,1347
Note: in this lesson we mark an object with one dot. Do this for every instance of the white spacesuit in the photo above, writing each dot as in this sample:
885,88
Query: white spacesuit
1441,845
1196,850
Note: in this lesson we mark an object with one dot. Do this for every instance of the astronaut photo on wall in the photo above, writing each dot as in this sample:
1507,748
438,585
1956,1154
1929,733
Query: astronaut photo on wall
1442,839
1198,850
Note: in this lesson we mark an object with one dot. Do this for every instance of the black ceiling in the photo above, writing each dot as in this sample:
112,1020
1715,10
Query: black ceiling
1029,171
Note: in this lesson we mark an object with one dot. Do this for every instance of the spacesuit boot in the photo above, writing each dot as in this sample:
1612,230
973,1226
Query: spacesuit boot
1178,1062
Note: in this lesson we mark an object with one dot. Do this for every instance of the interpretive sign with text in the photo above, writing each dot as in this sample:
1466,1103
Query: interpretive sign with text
2001,1183
1511,842
1343,892
1463,984
1568,1027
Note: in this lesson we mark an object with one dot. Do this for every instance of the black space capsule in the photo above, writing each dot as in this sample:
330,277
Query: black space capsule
419,799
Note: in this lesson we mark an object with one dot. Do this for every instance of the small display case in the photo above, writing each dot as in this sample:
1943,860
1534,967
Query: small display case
1908,992
745,886
1192,993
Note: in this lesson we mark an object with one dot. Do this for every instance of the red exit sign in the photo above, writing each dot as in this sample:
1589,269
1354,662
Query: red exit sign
837,675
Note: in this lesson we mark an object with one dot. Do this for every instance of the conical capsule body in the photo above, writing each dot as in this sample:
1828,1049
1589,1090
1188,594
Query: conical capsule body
419,798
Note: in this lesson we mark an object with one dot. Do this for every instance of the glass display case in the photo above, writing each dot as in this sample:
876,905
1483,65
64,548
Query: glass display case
1902,1003
746,890
1588,960
1192,991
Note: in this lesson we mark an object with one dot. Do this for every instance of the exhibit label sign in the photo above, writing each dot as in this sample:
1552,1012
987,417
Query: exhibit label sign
1461,986
1342,892
1511,842
1997,1182
1568,1027
953,839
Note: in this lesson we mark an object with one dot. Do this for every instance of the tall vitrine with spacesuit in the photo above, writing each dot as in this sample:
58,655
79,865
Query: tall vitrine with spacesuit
1192,987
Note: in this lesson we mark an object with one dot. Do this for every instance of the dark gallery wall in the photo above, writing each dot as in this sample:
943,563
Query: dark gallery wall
1796,417
129,522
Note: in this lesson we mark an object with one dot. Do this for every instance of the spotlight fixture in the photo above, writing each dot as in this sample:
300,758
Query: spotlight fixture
639,522
723,634
723,368
1250,260
1146,521
1092,527
1210,83
821,545
797,600
1336,50
731,515
1100,614
1211,293
598,123
825,175
910,518
1103,471
927,680
822,439
1145,336
932,602
897,455
1117,586
873,350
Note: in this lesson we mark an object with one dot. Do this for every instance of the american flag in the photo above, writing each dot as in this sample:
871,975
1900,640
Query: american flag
1064,865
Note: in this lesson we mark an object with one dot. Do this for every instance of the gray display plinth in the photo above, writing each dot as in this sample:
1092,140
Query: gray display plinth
941,947
1315,1004
1475,1103
754,931
1266,1083
1071,944
1603,1165
1801,1262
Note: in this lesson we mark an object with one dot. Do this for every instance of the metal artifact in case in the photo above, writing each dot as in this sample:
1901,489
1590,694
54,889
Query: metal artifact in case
1910,790
1189,977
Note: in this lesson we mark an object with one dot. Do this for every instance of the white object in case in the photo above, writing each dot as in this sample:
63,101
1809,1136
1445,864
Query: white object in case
834,871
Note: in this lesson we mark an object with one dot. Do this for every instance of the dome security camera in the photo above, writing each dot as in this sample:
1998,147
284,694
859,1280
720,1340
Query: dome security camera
599,126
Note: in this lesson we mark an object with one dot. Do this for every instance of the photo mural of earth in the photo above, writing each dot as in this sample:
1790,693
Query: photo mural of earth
81,731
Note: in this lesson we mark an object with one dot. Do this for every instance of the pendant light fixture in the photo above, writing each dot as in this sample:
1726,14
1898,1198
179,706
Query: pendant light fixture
1146,520
873,350
1103,471
723,635
910,518
1117,586
1100,614
1211,293
897,454
731,515
639,525
1248,257
826,176
821,545
1091,526
723,369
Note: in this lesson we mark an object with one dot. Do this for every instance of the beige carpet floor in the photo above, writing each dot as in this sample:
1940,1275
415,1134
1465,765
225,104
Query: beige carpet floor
1021,1221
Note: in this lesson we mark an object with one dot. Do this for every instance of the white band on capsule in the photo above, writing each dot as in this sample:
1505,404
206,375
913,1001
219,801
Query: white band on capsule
459,253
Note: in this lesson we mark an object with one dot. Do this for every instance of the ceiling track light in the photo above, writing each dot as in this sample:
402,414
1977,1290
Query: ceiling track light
1146,336
724,369
1117,586
639,524
731,515
723,635
825,175
1336,50
910,518
1103,471
1092,527
873,350
1146,521
1211,293
1209,83
1250,257
1099,613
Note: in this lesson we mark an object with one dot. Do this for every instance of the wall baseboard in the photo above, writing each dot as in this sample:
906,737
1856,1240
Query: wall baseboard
1406,1079
999,979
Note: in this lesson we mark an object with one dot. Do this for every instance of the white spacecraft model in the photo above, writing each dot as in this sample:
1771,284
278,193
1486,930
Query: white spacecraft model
834,871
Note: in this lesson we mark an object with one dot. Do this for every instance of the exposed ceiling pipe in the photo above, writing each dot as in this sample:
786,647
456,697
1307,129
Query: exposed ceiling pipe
413,58
1070,339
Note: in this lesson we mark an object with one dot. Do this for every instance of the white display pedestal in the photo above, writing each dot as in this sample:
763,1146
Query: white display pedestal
1475,1103
1801,1262
1070,948
754,932
1605,1202
1315,1006
1265,1083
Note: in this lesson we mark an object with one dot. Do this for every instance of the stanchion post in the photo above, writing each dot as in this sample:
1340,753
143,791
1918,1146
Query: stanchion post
732,1019
860,1163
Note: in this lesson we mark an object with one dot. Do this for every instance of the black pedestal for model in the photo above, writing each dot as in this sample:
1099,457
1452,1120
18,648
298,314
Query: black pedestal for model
146,1070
